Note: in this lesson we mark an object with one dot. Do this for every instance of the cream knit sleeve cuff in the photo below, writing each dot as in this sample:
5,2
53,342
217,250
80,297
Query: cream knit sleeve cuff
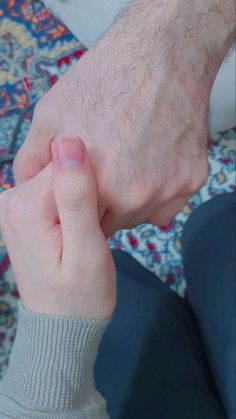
50,373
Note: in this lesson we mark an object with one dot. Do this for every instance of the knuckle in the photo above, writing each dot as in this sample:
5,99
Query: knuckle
23,166
45,119
40,118
23,163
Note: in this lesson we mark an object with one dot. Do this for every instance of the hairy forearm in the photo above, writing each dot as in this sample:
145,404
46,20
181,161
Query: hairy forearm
159,58
188,37
210,22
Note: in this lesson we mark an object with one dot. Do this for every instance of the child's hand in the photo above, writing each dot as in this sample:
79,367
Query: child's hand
58,251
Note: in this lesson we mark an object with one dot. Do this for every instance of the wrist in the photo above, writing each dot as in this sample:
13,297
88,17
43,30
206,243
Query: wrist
186,41
200,41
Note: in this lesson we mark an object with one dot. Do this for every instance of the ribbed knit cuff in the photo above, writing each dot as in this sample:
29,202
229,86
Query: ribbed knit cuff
51,364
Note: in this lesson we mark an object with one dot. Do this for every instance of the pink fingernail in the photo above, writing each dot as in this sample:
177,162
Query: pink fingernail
70,152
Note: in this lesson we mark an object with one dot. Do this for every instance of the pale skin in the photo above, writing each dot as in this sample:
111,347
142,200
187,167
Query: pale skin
57,249
139,99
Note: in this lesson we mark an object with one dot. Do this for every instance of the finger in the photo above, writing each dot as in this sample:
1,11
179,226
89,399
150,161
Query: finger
29,208
33,202
33,156
75,194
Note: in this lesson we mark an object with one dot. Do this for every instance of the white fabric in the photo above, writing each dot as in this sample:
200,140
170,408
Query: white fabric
89,19
223,95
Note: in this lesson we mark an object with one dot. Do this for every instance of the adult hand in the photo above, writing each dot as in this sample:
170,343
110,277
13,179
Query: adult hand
139,98
57,249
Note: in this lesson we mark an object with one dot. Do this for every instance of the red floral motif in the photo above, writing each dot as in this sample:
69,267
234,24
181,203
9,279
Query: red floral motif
15,294
151,246
156,257
52,80
226,160
167,227
77,54
4,264
132,240
63,60
210,143
170,279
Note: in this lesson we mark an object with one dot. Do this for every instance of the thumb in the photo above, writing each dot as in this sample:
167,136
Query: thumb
75,195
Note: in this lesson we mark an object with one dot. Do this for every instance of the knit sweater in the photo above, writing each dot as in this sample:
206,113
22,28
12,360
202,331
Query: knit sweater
50,372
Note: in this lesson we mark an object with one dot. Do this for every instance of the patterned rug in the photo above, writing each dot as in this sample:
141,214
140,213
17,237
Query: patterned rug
35,49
